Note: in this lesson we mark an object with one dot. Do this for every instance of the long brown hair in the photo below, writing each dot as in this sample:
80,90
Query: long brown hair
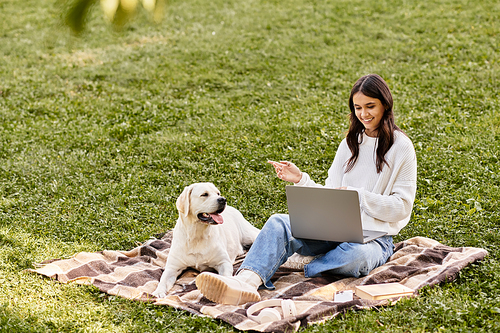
372,85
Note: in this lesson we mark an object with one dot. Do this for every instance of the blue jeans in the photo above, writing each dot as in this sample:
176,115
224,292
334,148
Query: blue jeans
275,244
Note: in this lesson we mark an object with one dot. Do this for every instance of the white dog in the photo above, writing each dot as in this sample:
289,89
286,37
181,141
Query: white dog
208,234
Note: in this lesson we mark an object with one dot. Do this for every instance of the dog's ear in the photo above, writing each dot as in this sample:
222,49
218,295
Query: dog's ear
184,199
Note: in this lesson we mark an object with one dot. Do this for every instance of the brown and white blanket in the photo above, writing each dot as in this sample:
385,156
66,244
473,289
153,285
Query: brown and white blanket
134,274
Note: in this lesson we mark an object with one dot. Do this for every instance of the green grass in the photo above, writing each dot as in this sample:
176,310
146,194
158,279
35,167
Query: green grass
99,134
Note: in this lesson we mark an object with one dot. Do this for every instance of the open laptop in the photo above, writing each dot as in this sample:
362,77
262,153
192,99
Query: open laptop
327,214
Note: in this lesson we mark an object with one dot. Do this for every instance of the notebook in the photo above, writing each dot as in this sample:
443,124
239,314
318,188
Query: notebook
383,291
327,214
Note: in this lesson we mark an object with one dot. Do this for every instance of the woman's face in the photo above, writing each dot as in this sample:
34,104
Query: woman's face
369,111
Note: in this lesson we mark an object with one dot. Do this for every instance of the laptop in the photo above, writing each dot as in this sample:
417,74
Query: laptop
327,214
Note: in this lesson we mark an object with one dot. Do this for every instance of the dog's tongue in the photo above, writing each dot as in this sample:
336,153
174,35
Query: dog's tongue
217,218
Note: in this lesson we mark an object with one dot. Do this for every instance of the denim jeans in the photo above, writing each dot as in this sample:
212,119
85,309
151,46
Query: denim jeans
275,244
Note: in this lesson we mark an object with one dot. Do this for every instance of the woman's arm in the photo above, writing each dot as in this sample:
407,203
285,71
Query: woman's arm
396,201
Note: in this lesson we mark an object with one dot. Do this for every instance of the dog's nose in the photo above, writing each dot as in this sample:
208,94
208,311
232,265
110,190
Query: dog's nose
221,200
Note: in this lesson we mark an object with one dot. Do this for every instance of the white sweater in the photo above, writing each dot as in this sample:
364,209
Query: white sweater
386,198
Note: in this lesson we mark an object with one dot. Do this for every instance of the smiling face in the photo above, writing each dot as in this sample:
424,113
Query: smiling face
369,112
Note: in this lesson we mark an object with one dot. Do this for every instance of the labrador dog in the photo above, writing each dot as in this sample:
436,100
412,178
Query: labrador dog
208,234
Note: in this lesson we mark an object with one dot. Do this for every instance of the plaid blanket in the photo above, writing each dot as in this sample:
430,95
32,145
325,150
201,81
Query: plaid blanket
134,274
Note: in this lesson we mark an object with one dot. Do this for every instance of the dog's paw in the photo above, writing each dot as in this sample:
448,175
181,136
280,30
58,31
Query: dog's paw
160,293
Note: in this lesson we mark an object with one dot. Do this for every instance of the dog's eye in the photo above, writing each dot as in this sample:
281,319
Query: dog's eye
204,195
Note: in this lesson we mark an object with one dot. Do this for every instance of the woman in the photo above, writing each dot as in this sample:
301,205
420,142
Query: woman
377,160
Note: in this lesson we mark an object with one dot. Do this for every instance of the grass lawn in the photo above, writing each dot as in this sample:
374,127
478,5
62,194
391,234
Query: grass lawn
99,135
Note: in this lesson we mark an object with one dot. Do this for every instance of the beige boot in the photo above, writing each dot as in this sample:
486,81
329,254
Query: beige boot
226,289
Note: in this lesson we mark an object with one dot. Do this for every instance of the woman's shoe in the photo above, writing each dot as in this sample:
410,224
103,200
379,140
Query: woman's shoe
226,289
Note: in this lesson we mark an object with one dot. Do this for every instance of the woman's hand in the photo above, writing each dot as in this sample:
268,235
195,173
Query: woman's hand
287,171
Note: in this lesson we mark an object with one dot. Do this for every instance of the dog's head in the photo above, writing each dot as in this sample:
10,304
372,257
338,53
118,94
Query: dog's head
203,201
